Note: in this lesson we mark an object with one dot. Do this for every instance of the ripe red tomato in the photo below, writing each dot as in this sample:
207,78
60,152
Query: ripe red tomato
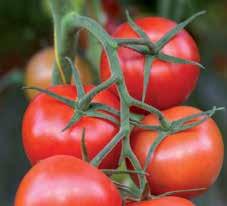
190,159
169,84
45,118
164,201
39,70
65,180
111,7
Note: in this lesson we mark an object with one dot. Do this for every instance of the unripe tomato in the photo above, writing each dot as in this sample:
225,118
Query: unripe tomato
66,181
164,201
169,84
39,70
190,159
45,118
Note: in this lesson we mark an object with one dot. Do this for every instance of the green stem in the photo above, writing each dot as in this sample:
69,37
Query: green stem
64,44
86,99
164,122
158,140
85,156
101,155
76,78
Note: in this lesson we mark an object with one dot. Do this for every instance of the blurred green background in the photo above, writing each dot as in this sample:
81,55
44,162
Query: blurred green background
26,27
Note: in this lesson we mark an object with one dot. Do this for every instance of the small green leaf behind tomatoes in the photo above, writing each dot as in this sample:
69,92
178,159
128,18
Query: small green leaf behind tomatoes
65,180
186,160
45,118
164,201
169,84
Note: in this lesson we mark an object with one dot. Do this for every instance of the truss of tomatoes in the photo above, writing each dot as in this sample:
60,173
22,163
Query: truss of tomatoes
186,160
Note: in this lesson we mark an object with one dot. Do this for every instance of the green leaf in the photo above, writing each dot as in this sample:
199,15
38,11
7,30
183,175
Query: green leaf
147,67
164,40
176,60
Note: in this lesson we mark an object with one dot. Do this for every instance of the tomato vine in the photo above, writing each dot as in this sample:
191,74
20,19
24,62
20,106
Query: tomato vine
67,20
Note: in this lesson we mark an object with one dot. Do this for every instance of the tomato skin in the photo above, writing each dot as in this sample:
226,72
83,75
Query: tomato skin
39,70
169,84
190,159
64,180
164,201
45,118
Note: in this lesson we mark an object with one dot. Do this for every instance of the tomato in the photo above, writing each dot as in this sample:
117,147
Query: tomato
45,118
191,159
65,180
164,201
39,70
111,7
169,84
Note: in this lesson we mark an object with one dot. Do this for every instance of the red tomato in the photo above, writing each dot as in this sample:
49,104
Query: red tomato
46,117
65,180
169,84
164,201
111,7
190,159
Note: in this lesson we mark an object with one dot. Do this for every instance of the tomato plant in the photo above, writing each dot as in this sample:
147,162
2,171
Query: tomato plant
169,84
65,180
39,70
45,118
190,159
164,201
176,151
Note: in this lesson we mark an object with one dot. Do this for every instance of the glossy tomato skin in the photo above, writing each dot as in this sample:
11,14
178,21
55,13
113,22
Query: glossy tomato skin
39,70
45,118
190,159
169,84
65,180
164,201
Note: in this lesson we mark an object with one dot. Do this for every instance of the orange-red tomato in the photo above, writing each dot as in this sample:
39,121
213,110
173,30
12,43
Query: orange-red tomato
164,201
190,159
39,70
66,181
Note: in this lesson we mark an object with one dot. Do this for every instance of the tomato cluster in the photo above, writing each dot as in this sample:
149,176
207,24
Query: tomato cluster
187,162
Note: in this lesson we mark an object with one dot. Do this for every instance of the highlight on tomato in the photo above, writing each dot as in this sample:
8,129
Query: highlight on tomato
169,84
46,117
186,160
39,70
65,180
